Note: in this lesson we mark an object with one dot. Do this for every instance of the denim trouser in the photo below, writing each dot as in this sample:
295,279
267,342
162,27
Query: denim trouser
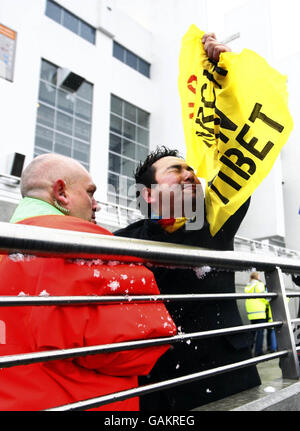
258,337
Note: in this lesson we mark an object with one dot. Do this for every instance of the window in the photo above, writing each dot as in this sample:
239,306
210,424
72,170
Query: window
54,11
64,117
67,19
131,59
128,144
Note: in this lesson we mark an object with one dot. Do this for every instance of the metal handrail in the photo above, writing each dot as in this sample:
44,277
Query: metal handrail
146,389
52,355
17,238
16,301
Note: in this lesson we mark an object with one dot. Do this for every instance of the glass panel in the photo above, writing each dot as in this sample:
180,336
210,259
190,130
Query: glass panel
123,186
83,110
81,151
131,189
85,91
113,180
61,149
47,93
64,123
65,101
126,187
70,21
128,167
63,144
131,152
63,141
44,138
82,130
116,105
130,112
115,143
143,136
141,153
112,198
143,118
45,115
114,163
115,124
38,151
48,72
131,59
87,32
85,165
119,51
144,67
53,11
123,202
129,130
128,149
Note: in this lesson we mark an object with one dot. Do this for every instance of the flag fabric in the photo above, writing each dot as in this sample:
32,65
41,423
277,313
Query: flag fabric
235,119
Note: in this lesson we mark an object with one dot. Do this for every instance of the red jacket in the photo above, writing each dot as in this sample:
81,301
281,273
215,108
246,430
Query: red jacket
36,328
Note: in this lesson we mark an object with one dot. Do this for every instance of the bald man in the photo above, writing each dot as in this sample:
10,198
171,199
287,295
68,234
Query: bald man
59,193
55,184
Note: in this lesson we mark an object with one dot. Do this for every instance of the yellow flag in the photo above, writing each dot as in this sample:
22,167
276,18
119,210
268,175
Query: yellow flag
235,119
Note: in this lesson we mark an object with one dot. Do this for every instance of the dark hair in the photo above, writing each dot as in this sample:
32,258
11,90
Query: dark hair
145,172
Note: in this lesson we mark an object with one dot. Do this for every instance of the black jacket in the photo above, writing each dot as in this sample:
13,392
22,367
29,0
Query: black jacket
187,358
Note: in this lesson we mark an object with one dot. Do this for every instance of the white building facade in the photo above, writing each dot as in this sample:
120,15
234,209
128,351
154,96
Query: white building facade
97,81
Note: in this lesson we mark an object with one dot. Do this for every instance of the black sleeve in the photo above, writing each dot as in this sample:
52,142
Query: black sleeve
134,230
296,279
230,228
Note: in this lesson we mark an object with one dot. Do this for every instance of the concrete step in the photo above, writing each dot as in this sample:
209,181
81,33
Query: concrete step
274,394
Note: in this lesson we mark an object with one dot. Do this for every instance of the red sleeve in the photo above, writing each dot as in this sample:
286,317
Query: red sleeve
62,327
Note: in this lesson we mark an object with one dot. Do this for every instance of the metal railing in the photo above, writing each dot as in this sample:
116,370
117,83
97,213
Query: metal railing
116,216
23,240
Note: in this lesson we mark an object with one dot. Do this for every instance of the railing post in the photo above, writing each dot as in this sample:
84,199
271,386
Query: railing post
285,337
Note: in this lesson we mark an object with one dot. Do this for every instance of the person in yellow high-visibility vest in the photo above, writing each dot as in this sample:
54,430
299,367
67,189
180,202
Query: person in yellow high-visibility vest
259,311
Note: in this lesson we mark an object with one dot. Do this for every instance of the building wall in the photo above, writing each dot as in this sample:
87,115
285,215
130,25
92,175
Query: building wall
40,37
19,98
291,155
167,21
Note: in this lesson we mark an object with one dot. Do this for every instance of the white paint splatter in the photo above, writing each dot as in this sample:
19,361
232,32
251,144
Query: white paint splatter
44,293
96,273
114,285
113,262
269,389
202,271
19,257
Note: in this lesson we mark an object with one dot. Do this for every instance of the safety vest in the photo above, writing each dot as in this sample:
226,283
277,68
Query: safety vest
256,307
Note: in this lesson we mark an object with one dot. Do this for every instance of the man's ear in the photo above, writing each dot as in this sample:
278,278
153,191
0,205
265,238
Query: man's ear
147,195
59,191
